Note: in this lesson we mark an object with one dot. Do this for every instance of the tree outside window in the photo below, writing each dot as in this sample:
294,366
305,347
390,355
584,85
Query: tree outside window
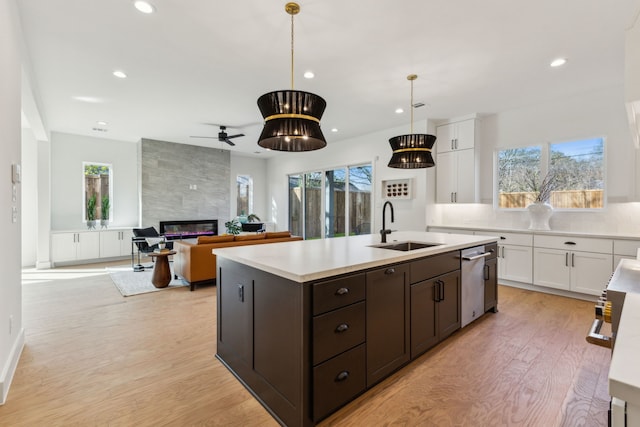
576,169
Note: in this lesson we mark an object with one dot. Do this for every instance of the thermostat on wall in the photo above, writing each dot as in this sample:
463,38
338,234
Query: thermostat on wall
396,189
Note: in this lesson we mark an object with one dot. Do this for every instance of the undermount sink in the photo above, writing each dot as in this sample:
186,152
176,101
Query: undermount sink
405,246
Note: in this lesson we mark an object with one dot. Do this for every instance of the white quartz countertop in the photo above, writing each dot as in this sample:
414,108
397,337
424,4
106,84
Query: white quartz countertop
630,236
624,372
308,260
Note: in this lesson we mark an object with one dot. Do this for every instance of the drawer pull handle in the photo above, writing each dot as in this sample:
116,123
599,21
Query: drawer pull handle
342,376
570,243
343,327
342,291
390,271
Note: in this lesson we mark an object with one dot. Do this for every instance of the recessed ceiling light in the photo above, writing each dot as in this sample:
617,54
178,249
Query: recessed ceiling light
309,75
144,7
558,62
101,123
120,74
399,111
334,130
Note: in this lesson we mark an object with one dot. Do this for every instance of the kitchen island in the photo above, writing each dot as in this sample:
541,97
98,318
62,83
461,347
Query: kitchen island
307,326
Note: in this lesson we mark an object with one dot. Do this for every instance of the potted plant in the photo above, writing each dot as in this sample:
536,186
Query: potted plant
104,211
233,226
91,212
253,218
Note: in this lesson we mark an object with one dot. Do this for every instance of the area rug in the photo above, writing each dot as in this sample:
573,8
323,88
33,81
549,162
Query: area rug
131,282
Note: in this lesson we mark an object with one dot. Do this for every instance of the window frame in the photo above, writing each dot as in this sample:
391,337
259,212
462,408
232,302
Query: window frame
545,164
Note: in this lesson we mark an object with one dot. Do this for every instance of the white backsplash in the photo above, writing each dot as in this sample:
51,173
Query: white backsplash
617,218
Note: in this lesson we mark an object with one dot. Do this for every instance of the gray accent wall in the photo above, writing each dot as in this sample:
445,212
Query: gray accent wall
184,182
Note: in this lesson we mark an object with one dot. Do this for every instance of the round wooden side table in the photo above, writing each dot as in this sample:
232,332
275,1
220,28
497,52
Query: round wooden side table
161,271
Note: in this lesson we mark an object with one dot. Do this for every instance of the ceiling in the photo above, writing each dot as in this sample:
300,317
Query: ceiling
196,64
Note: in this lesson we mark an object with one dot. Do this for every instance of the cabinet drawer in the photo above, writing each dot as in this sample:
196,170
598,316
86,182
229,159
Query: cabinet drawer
337,293
626,247
337,331
584,244
433,266
337,381
509,238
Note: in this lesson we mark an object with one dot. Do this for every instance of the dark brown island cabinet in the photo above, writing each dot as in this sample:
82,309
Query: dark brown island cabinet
306,349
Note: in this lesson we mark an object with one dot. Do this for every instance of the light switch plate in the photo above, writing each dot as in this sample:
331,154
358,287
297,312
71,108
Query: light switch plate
16,173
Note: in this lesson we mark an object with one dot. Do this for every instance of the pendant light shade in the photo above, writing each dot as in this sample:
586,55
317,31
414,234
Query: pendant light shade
412,151
291,121
291,117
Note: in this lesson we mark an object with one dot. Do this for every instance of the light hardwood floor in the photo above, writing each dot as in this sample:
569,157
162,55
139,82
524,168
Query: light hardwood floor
94,358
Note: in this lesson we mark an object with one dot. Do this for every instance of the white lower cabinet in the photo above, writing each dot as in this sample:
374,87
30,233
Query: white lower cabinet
555,266
515,263
115,243
75,246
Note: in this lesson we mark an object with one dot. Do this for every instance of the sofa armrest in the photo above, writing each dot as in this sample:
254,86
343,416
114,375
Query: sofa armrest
194,263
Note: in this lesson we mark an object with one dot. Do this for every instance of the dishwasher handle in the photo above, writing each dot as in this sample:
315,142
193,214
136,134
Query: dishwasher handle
478,256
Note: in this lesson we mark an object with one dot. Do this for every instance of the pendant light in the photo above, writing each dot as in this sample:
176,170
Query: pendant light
412,151
291,117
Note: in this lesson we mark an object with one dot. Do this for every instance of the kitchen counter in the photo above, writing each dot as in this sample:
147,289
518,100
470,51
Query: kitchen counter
539,232
309,260
624,372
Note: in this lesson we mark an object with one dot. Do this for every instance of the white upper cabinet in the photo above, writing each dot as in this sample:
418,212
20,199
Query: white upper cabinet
456,136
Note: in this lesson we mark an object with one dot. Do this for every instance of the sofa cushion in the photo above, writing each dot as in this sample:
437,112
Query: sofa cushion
277,234
214,239
242,237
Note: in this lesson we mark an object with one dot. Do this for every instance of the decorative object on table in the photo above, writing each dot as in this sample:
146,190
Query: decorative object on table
104,211
134,283
253,218
412,151
540,210
233,226
291,117
91,212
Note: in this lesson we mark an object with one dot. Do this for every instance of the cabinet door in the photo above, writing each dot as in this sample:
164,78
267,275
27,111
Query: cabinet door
63,247
551,268
448,310
516,263
88,245
465,134
465,191
387,321
125,242
590,272
424,331
446,177
110,244
491,285
445,135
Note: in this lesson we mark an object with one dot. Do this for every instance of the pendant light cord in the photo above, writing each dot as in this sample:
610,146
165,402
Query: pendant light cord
411,107
291,52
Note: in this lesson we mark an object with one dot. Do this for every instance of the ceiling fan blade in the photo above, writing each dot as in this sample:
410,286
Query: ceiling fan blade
228,141
235,136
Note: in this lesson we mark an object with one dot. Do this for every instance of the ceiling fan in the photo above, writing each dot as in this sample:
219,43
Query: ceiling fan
223,136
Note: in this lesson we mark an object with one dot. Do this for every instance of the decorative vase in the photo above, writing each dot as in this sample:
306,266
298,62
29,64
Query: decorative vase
539,215
104,223
91,224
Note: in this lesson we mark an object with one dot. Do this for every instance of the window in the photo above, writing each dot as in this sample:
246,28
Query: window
97,198
321,201
244,196
576,169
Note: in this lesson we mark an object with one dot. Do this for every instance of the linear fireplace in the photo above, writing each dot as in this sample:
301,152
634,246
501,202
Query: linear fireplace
174,230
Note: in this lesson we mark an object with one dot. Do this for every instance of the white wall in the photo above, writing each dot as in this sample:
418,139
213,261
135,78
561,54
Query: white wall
599,113
373,148
257,169
68,152
11,331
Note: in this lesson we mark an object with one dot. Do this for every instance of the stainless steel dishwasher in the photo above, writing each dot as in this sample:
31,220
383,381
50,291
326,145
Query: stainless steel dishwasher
472,297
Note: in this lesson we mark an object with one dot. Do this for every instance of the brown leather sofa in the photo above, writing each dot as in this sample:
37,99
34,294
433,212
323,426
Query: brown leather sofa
195,263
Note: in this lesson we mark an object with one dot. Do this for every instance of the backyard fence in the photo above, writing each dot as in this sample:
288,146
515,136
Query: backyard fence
559,199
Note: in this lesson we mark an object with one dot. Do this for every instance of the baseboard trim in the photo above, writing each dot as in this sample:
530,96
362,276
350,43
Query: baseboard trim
545,290
10,367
